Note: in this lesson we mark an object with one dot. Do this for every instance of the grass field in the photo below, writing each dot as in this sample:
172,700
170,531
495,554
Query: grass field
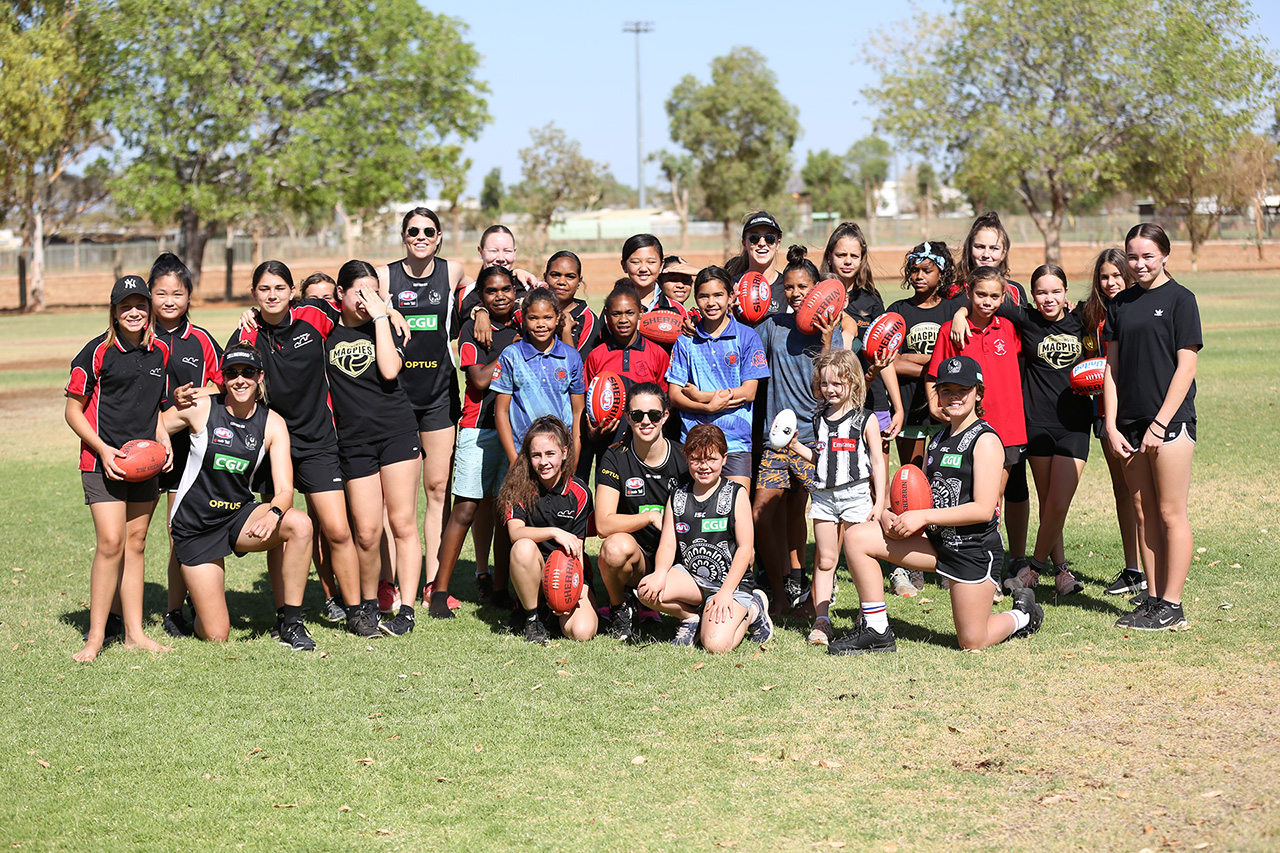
459,736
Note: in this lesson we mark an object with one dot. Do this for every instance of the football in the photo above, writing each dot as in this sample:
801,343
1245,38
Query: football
885,334
784,427
909,489
561,581
143,459
825,300
1086,377
661,327
606,398
752,293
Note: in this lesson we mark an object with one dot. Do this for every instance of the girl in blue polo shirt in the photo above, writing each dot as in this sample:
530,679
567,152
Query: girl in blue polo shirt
539,375
713,374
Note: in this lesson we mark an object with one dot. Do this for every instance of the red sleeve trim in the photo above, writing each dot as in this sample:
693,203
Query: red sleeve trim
316,317
468,355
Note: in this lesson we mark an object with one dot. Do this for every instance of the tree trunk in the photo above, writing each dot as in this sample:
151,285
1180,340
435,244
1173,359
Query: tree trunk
36,301
1257,224
192,237
455,214
680,199
870,203
729,247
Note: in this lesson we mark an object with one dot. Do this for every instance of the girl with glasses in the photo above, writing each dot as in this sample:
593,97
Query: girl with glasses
761,240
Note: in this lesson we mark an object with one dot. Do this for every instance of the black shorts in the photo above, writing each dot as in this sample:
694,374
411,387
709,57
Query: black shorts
969,565
737,464
441,414
215,543
1057,440
365,460
98,489
1015,490
1135,431
1100,428
317,471
169,480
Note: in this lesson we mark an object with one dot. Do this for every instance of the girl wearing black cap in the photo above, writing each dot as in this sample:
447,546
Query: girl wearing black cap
959,537
113,397
214,513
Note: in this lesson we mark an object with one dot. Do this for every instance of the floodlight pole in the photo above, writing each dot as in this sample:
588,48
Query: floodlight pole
638,27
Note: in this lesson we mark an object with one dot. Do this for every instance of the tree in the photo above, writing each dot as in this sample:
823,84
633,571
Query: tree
868,159
831,187
54,60
557,177
738,130
677,171
492,194
1051,97
242,109
454,184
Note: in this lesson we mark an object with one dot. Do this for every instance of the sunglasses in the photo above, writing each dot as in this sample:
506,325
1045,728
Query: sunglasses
237,372
770,239
638,415
412,231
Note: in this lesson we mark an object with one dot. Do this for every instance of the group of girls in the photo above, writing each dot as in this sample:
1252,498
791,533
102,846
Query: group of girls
341,391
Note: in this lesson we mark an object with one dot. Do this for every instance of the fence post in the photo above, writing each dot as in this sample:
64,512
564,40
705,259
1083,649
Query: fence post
22,281
231,259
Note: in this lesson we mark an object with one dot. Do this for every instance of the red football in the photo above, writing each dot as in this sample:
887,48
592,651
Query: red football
606,398
561,581
909,489
752,293
661,327
885,334
1086,377
143,459
825,300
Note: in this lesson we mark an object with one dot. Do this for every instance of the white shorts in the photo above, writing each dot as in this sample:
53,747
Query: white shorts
851,503
479,464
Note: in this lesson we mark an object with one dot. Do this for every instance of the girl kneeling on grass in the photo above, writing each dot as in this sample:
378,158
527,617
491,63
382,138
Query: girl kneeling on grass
547,507
214,513
959,538
707,528
849,468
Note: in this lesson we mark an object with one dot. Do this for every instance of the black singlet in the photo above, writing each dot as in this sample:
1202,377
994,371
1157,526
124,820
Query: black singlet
429,372
949,467
220,467
705,534
641,488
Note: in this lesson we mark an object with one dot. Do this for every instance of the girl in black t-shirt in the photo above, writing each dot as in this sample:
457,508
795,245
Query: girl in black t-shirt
547,508
378,443
1153,342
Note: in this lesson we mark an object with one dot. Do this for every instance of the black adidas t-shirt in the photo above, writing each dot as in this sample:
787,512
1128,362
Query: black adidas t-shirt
1050,348
568,508
641,488
366,407
1150,326
864,306
923,325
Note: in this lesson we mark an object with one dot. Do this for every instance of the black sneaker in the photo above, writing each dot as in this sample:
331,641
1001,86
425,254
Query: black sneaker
622,621
113,633
295,636
484,589
333,611
439,607
1024,600
795,592
535,631
1128,581
1142,603
364,623
399,626
175,625
502,599
1141,598
864,640
1160,615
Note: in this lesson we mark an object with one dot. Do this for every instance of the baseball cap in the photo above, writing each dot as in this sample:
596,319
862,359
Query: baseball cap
959,370
242,355
761,219
129,285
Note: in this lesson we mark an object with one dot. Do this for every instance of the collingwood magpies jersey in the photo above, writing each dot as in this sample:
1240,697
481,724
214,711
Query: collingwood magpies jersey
843,457
705,542
949,467
220,467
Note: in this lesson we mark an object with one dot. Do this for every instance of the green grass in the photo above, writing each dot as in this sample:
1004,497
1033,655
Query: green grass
1084,737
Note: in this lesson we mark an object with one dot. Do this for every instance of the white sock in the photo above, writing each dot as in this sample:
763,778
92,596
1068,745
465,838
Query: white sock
875,615
1020,619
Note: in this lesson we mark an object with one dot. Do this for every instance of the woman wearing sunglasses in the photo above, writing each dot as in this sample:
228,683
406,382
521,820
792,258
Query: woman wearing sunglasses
633,482
761,239
214,513
420,286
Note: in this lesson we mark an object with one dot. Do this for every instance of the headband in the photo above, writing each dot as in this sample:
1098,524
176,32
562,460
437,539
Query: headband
927,254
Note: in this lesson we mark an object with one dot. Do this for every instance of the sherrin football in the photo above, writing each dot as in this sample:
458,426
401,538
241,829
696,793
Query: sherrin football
825,300
661,327
1086,377
783,429
885,334
143,459
606,398
752,292
561,581
909,489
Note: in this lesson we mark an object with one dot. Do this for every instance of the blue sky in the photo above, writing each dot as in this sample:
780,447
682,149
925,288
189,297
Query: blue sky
575,67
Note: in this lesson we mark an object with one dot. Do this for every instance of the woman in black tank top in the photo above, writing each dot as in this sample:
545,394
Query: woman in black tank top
957,537
215,511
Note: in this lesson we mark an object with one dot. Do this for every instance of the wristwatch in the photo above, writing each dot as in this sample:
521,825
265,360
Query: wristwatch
279,513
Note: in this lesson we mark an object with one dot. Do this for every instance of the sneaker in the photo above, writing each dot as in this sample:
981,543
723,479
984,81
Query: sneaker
795,592
821,634
430,588
945,583
295,636
1064,582
1140,598
1024,600
1160,615
622,621
1141,603
900,583
535,631
175,625
502,600
114,632
647,615
1129,580
864,640
399,626
388,598
363,623
761,628
998,595
1015,565
1026,578
439,608
484,589
333,611
687,633
917,578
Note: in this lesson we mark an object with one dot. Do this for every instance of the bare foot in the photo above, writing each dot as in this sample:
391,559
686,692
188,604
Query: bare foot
89,652
146,644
